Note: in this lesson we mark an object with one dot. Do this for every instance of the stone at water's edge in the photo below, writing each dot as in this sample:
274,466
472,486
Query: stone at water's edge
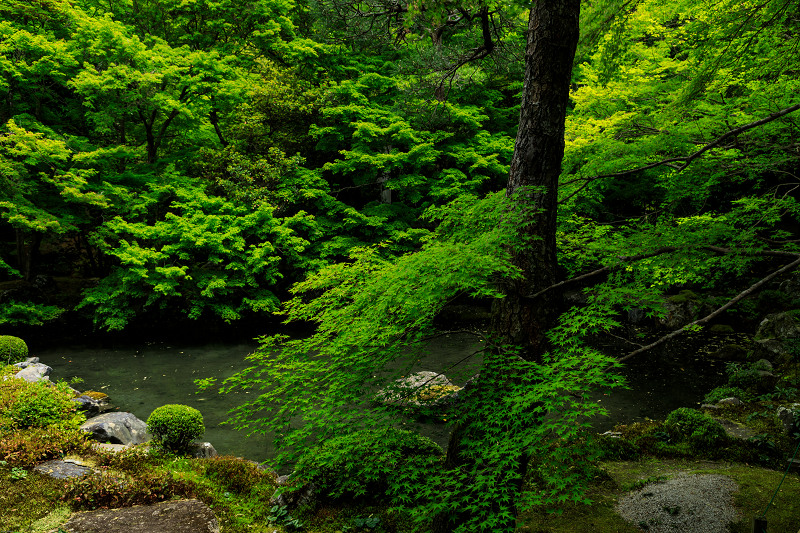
202,449
117,428
418,389
33,372
181,516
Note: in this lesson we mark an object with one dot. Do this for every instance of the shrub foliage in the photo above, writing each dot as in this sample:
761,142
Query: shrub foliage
174,426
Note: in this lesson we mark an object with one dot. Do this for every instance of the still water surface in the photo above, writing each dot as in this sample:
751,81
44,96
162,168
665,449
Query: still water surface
139,378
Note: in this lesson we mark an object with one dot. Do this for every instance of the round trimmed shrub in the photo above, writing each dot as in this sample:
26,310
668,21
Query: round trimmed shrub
174,426
699,429
12,349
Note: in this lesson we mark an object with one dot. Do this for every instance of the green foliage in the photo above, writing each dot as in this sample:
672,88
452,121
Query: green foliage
12,349
16,313
234,473
28,447
367,463
40,404
720,393
174,426
280,516
107,490
699,429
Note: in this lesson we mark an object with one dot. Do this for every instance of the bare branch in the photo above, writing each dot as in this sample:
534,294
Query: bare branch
702,321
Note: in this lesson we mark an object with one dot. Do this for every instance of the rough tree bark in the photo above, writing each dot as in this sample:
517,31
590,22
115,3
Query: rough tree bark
553,32
518,319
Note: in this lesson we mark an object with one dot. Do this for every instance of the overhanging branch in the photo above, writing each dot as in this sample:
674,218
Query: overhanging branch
730,303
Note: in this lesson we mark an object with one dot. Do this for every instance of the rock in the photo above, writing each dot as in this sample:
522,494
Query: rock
773,350
117,428
90,406
63,469
735,430
108,447
730,401
179,516
778,326
33,372
681,309
789,418
729,352
421,388
202,449
637,315
304,496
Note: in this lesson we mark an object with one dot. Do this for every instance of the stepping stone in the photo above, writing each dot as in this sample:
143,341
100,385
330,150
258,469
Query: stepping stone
177,516
737,431
62,469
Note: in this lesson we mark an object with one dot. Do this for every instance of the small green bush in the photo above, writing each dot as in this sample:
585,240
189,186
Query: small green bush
235,474
699,429
720,393
40,404
367,462
749,379
12,349
108,490
174,426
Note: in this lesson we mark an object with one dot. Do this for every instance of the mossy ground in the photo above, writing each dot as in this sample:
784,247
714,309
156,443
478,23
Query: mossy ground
756,487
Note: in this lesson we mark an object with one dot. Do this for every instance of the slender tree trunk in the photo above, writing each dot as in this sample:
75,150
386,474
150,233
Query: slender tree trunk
553,31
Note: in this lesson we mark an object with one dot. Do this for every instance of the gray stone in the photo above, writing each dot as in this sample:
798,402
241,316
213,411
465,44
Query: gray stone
730,401
421,388
680,310
33,372
778,326
89,406
293,498
117,428
63,469
735,430
789,418
202,449
179,516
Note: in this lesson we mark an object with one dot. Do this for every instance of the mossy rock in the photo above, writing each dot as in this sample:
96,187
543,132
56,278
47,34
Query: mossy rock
683,297
94,395
12,349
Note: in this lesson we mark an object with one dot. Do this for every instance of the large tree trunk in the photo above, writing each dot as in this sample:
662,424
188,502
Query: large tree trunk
553,32
518,319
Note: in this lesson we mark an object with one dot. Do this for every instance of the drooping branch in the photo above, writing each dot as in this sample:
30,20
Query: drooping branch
706,319
607,268
684,160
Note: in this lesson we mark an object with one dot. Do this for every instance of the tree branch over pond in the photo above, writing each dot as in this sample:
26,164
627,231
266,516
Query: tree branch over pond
730,303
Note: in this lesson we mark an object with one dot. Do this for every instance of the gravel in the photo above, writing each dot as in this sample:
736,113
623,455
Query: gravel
700,503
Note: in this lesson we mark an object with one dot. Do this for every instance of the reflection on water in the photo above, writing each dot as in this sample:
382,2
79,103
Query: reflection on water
140,378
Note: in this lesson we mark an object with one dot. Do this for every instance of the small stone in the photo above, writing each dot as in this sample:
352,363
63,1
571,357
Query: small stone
202,449
730,401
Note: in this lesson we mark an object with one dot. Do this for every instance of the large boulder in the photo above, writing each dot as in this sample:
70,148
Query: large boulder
33,372
117,428
778,326
681,309
777,337
179,516
789,418
420,389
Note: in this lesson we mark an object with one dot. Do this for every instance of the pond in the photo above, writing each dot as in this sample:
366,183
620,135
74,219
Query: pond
139,378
